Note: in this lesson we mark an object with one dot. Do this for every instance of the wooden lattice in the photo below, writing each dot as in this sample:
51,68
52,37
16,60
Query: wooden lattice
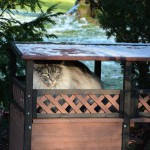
63,103
18,95
144,103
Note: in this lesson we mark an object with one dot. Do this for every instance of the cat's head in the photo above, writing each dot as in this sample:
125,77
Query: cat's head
48,73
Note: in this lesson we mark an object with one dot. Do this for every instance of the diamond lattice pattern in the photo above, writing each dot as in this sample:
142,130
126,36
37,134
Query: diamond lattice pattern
144,103
63,103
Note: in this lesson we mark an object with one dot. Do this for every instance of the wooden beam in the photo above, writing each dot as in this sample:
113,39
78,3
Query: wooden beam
28,106
77,115
127,104
12,68
97,68
77,91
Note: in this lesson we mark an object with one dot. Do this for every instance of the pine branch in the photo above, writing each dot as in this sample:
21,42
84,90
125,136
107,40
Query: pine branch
53,7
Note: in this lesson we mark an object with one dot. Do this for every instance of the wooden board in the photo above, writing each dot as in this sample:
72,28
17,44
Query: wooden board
76,134
16,132
49,51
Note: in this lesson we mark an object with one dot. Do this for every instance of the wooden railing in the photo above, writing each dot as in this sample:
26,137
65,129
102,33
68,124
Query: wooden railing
142,103
82,103
79,103
18,93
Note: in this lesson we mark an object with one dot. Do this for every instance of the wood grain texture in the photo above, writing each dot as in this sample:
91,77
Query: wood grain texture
80,120
76,134
99,52
16,132
18,95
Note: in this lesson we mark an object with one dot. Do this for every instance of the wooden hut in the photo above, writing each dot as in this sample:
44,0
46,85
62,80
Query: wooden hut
75,130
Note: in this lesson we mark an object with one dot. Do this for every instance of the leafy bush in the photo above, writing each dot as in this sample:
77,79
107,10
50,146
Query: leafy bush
13,30
128,21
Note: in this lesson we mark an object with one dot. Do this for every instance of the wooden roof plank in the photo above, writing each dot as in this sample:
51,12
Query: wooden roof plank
107,52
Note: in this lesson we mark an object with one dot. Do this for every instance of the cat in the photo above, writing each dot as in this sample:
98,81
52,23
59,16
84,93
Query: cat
65,75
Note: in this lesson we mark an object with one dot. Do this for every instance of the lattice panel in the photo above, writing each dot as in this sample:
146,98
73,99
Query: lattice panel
144,103
77,104
18,95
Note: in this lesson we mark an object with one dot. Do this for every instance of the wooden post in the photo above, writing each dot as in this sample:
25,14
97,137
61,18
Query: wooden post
134,103
28,105
127,104
34,104
12,64
121,106
12,68
97,68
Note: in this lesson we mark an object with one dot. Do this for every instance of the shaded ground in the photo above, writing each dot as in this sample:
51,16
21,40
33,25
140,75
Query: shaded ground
140,133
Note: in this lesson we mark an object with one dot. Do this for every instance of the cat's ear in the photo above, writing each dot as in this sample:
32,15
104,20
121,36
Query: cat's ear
59,67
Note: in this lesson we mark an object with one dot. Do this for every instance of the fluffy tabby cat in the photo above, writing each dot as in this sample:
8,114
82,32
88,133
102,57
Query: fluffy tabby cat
66,75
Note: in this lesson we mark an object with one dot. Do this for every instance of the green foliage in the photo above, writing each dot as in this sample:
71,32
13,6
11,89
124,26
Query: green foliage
23,4
14,30
128,21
